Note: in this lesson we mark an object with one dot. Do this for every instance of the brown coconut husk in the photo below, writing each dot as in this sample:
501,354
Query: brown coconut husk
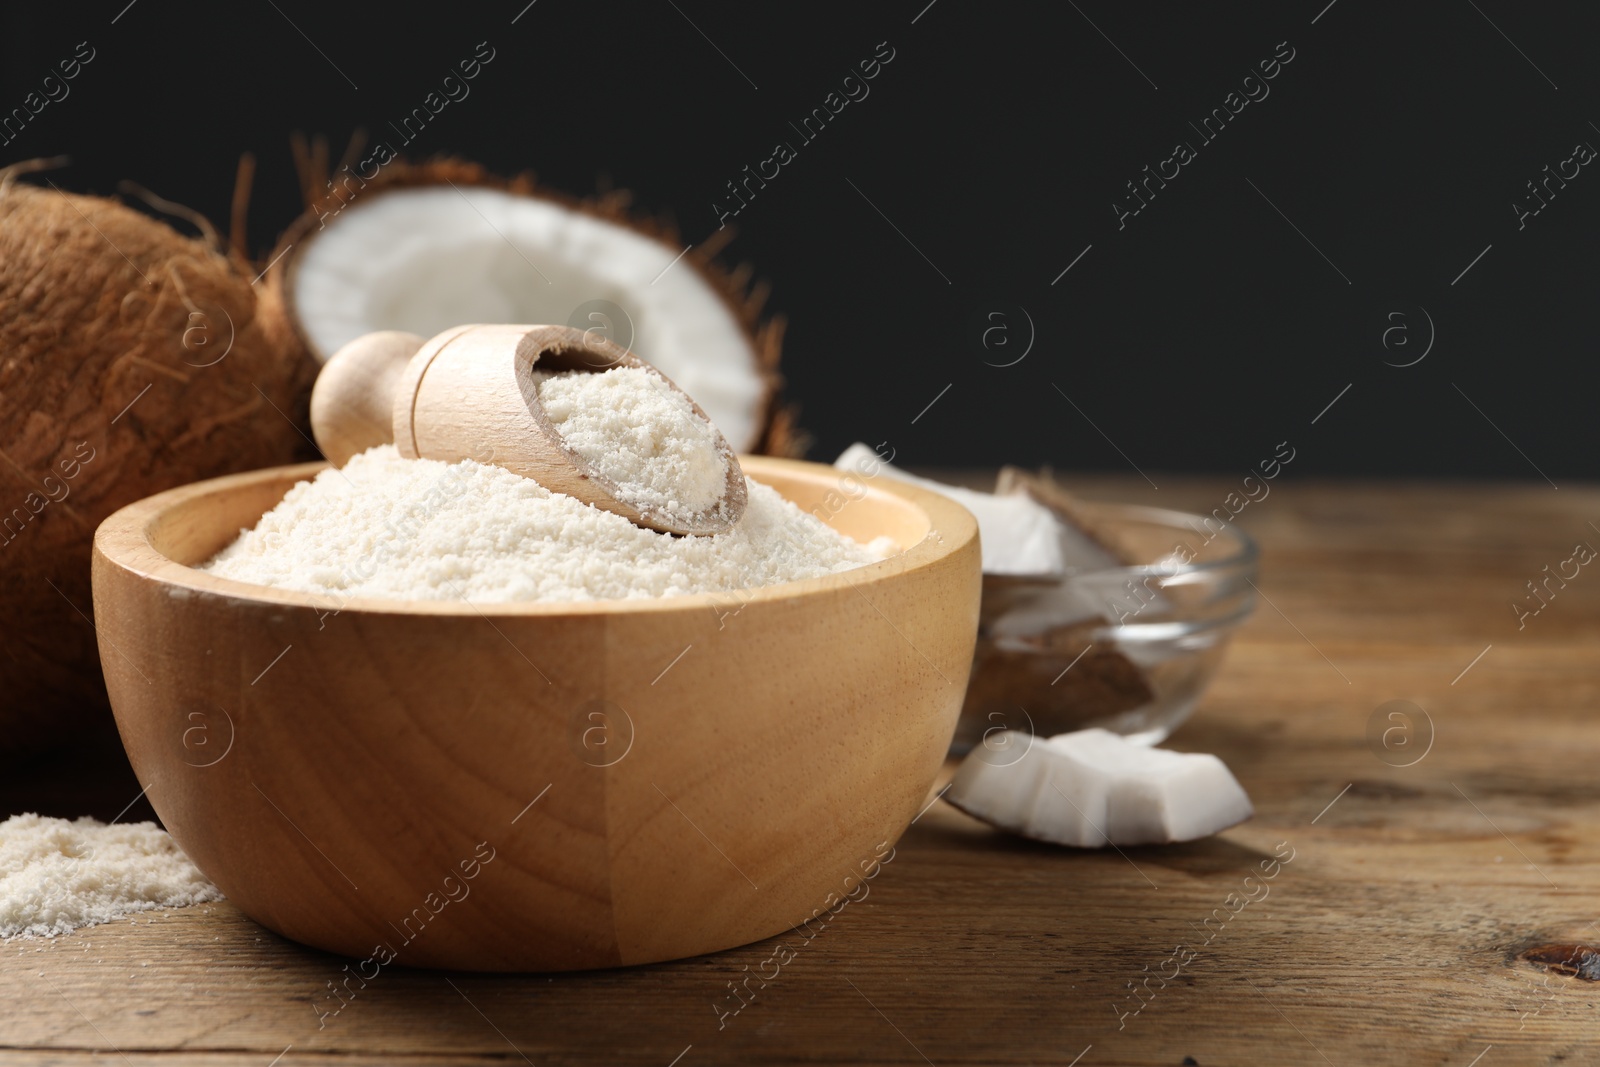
745,296
111,389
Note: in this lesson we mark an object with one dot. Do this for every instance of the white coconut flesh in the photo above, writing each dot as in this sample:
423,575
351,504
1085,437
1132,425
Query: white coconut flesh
1022,538
1018,535
429,258
1092,788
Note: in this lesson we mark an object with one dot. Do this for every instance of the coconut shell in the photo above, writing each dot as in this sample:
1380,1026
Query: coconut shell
746,298
132,359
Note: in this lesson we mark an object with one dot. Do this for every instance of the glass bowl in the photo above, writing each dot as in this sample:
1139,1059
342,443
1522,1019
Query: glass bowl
1129,648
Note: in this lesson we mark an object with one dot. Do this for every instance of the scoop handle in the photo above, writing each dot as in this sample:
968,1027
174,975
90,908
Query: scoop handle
352,403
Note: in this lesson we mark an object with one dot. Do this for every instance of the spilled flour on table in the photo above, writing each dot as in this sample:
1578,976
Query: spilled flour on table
58,875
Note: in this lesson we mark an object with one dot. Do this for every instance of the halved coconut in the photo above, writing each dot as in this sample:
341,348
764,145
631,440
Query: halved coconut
425,247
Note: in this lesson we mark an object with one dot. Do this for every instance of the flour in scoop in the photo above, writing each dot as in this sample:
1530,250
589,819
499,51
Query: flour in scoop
56,875
418,529
636,429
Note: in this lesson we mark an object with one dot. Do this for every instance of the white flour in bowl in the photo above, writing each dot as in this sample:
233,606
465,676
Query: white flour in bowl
635,429
56,875
418,529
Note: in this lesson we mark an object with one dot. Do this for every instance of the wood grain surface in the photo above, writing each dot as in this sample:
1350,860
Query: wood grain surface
1409,926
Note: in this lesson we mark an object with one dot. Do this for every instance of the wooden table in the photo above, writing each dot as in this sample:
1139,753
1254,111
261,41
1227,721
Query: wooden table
1408,927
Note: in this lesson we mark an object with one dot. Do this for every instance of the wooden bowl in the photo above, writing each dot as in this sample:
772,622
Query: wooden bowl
541,786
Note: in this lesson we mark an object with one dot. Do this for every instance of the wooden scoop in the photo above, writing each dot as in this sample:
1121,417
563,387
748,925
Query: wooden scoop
469,393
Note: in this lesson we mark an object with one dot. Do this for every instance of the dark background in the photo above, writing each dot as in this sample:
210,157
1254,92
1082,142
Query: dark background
1196,338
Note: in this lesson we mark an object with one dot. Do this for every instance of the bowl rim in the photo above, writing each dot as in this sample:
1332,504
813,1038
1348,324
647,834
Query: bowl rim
123,541
1247,553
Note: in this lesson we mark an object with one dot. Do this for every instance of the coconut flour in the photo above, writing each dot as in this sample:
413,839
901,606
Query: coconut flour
637,430
56,875
420,529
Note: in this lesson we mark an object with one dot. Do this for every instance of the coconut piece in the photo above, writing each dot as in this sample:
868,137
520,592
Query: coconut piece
1034,624
1029,614
1042,794
1082,526
1130,547
1018,535
422,248
1093,787
132,359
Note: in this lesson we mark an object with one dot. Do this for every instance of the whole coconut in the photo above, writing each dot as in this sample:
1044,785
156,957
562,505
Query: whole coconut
132,359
